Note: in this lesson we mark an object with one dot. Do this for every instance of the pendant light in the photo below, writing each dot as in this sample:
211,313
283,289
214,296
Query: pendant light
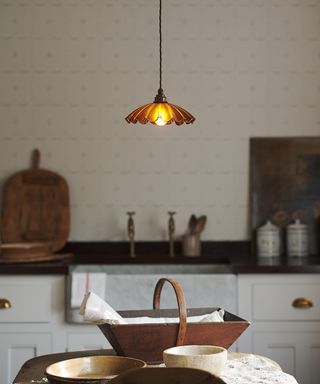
160,112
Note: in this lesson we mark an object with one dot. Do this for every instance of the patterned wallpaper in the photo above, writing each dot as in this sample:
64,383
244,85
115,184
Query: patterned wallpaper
71,70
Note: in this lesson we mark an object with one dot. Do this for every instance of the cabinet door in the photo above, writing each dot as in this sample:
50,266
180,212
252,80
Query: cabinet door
286,334
298,353
16,348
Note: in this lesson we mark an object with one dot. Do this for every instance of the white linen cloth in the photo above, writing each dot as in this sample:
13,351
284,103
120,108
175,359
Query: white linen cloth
253,369
83,282
96,310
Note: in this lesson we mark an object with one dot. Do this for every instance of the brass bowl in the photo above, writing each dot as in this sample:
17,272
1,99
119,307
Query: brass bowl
167,376
90,369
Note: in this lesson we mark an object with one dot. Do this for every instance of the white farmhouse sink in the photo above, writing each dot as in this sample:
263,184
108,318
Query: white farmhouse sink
132,286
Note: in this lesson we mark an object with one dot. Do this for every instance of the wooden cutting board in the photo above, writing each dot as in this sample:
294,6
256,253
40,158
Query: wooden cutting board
35,207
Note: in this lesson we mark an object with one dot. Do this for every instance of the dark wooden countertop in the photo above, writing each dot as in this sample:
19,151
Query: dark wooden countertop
235,255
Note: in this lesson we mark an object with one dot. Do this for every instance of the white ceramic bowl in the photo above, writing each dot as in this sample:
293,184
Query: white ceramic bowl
209,358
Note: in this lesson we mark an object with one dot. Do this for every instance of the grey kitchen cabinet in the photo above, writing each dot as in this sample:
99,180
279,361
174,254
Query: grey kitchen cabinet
285,313
18,347
35,324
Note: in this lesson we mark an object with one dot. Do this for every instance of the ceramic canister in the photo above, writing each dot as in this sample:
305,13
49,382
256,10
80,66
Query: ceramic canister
297,239
191,245
268,240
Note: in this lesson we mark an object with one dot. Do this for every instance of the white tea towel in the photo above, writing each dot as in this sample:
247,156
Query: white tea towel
83,282
96,310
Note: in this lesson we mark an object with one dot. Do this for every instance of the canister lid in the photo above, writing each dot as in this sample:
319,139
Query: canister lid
268,227
297,225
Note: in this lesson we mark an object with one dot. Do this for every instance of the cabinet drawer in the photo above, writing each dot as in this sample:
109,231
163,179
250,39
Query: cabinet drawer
30,302
275,301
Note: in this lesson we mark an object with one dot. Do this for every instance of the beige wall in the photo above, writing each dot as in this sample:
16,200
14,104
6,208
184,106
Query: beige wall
71,70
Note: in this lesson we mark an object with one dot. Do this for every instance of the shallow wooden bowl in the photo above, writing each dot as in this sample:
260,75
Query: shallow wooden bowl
210,358
167,376
28,250
90,369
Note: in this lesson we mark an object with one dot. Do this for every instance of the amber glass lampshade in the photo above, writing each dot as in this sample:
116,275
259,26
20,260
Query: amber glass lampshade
160,112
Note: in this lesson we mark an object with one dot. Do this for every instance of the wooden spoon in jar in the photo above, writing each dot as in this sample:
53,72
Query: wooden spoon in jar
201,222
192,224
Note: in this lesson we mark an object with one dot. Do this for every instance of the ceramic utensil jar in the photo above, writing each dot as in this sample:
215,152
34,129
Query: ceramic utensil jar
268,240
297,239
191,245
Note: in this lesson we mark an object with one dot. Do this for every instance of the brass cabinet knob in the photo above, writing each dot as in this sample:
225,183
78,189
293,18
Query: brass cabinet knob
302,302
5,304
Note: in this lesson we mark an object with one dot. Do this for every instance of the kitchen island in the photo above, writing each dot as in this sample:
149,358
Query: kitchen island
256,366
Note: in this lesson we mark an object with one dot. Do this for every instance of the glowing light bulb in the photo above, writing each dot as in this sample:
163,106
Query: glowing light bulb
160,121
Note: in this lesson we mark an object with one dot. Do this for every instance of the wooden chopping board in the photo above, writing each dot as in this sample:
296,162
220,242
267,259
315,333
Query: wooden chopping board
35,207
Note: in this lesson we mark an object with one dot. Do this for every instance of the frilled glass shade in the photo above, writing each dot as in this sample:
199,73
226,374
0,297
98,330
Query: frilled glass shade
160,112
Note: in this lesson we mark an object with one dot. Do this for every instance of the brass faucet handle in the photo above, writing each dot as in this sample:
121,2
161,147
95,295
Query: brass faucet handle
171,229
131,233
130,224
171,223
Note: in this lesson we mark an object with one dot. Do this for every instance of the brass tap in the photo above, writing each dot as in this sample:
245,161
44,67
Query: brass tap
171,230
131,233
